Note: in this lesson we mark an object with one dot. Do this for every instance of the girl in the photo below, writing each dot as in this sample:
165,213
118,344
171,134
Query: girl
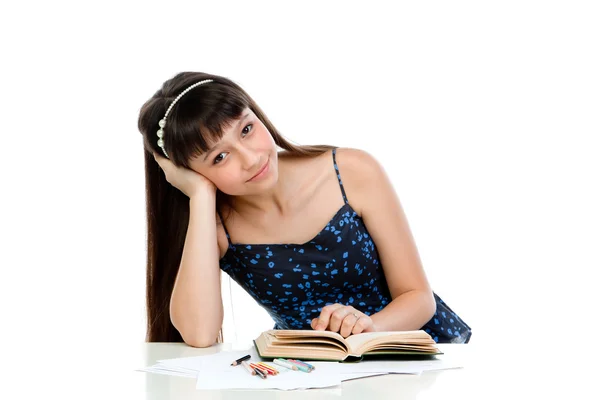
225,191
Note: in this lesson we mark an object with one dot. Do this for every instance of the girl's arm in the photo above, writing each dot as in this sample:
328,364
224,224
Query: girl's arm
196,305
376,200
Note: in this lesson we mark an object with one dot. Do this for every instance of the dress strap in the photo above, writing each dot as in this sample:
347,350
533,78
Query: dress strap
337,171
224,227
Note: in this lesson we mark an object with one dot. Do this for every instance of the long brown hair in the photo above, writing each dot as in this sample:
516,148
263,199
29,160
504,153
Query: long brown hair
197,120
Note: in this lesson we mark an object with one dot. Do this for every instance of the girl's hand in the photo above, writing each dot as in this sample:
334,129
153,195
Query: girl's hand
346,320
189,182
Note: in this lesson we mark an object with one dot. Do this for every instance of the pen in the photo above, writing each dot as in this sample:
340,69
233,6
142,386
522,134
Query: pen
239,360
284,363
248,367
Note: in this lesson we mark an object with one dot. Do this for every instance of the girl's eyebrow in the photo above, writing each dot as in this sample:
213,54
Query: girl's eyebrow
213,148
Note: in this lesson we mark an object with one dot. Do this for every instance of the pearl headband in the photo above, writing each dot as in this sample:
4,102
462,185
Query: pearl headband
160,133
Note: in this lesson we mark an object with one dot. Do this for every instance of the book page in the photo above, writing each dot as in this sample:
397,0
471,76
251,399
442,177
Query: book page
302,344
317,341
332,345
363,342
306,335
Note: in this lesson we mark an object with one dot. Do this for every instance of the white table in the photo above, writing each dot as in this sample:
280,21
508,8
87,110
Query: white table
492,373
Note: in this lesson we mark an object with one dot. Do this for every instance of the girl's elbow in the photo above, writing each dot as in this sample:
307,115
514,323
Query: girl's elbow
429,305
199,341
194,336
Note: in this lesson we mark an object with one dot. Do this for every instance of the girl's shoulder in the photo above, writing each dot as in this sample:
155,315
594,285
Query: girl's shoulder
357,169
355,162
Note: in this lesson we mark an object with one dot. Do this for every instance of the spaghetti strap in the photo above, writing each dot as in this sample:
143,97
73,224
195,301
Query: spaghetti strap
337,171
224,227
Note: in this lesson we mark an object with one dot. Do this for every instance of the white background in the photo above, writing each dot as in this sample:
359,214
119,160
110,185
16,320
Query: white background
484,116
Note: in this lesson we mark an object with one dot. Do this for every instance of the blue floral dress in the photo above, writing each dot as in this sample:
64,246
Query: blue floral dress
293,282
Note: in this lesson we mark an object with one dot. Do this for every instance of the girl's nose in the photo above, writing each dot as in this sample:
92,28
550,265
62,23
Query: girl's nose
250,159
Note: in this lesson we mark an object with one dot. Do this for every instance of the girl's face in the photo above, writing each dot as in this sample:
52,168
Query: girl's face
245,148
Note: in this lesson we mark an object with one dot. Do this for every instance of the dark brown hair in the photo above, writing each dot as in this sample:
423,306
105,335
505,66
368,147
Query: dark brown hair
196,121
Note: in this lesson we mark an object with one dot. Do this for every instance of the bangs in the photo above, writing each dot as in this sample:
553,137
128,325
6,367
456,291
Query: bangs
198,121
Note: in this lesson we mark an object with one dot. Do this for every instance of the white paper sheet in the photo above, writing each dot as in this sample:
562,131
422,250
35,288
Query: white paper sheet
358,375
214,371
390,367
163,371
239,378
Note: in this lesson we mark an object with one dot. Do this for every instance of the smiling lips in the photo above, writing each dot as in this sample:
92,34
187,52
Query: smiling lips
260,170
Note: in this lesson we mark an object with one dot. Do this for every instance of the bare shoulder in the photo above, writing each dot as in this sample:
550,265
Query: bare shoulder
305,169
360,172
360,164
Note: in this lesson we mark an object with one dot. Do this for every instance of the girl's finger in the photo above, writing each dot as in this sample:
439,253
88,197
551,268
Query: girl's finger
361,325
326,312
349,323
338,317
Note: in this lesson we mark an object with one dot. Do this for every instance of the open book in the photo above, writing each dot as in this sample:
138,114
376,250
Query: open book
331,346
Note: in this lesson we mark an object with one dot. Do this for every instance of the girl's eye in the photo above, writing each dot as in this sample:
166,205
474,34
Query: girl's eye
217,159
244,130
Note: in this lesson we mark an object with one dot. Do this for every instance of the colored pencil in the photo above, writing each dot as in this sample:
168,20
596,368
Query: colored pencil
260,373
263,369
306,364
275,370
239,360
301,367
248,367
284,363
